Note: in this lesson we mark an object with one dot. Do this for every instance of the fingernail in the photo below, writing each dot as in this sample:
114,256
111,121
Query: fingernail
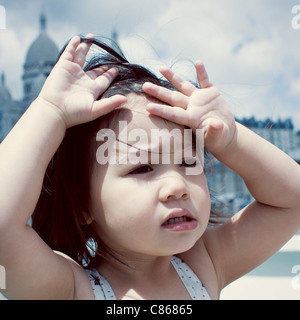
164,68
90,36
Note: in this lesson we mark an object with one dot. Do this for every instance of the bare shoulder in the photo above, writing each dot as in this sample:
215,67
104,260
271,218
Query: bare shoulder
82,286
199,260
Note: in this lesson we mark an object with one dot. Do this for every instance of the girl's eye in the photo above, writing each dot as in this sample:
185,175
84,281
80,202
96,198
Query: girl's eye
141,169
191,163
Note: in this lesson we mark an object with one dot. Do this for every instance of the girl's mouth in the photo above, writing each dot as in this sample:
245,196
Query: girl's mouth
176,220
180,220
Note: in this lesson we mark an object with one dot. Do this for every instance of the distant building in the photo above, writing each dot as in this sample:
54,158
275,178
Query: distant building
10,110
280,133
40,59
229,192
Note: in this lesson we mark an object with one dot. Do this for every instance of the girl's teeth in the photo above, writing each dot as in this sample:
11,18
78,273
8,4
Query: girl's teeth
175,220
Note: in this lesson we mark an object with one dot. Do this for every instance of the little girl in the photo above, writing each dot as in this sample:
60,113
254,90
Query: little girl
132,229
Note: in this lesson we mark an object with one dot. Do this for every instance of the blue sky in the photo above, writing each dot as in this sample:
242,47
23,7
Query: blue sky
250,48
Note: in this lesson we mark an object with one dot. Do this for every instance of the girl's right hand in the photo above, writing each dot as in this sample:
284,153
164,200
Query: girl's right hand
195,108
73,93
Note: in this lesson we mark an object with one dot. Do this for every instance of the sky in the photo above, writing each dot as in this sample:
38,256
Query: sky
251,49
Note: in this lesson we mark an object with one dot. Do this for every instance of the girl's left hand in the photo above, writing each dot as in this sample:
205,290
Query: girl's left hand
196,108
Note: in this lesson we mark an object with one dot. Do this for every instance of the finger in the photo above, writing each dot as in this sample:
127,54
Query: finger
69,52
213,129
212,126
82,50
173,98
104,80
202,75
180,84
104,106
174,114
95,73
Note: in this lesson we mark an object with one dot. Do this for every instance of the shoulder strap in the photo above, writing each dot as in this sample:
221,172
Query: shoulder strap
191,282
101,287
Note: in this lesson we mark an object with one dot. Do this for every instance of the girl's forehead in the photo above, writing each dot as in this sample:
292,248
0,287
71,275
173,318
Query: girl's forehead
134,125
138,137
150,122
150,133
138,117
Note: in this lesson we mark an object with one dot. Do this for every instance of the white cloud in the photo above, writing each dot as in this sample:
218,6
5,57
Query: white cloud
250,49
295,88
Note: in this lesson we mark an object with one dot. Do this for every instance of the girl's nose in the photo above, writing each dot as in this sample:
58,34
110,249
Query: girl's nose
173,187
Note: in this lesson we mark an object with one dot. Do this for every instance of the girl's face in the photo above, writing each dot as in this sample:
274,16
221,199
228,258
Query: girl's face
149,208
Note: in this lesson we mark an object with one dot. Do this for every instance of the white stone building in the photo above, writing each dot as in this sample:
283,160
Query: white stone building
40,59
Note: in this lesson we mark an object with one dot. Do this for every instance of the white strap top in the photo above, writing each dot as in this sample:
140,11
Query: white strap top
103,291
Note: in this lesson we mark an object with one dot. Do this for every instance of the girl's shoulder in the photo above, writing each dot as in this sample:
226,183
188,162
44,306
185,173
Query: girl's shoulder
82,286
199,260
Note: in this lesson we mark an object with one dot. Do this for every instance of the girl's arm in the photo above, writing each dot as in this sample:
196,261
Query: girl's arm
260,229
263,227
68,98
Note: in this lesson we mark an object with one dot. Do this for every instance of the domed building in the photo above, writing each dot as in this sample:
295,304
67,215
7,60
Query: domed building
9,109
40,59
